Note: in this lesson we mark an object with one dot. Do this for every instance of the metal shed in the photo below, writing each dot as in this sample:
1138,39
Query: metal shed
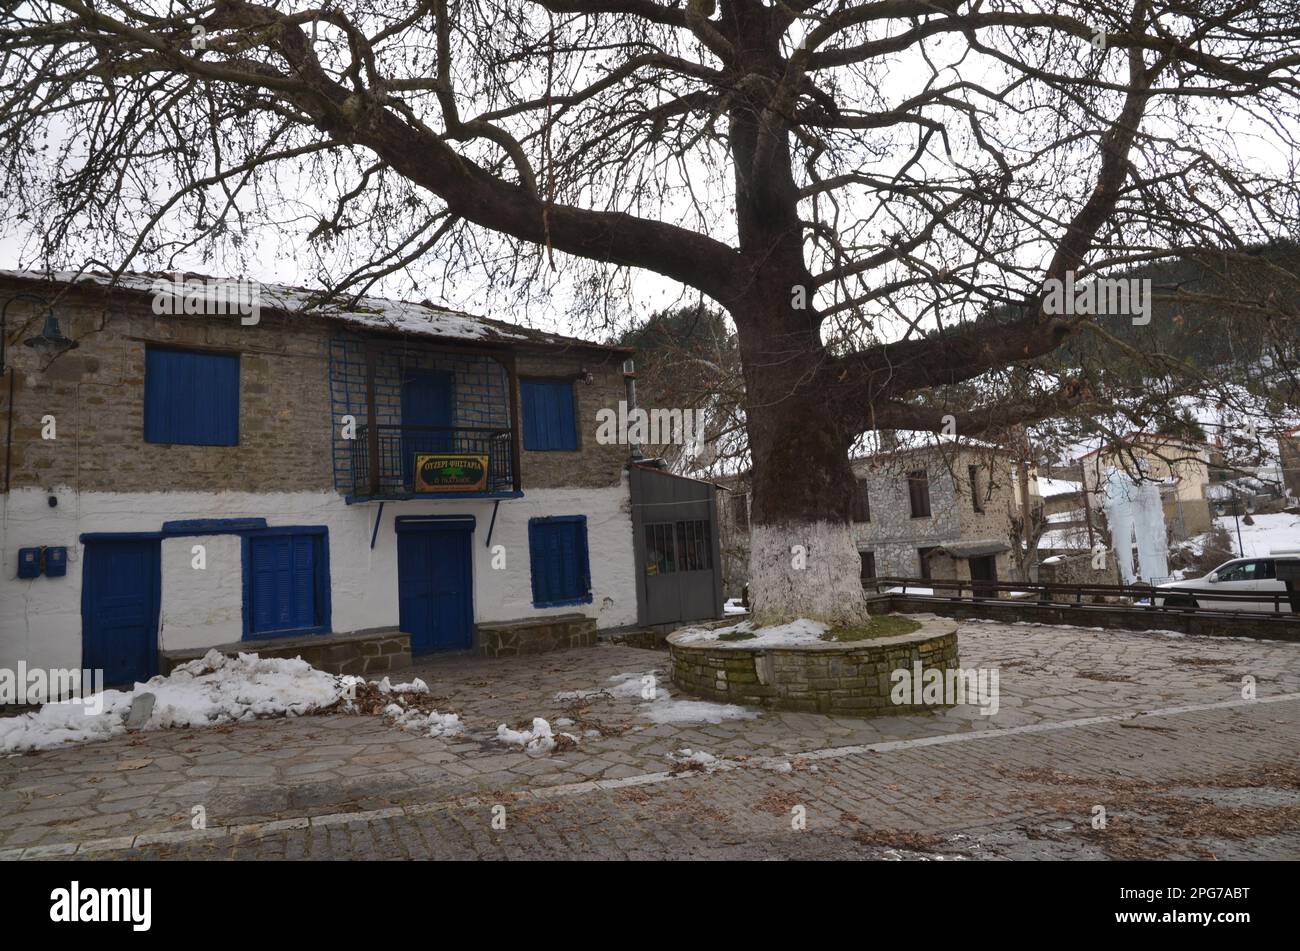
678,562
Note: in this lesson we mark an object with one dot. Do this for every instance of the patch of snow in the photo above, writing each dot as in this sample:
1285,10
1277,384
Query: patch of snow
733,606
695,711
687,755
1048,488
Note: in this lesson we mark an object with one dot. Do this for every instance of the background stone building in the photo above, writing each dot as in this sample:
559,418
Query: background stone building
942,511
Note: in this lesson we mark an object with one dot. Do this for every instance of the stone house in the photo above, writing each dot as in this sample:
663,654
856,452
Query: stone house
174,483
943,511
940,511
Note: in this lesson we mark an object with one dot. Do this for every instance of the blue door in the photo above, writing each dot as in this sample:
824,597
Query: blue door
426,402
434,587
119,609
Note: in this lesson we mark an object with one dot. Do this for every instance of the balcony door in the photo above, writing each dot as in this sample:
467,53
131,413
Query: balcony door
426,403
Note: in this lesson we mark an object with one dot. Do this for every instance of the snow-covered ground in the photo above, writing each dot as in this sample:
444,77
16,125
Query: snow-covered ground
1280,530
1049,488
206,692
797,633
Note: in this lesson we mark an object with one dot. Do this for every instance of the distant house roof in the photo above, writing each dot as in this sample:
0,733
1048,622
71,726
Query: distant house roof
1142,440
975,549
369,313
912,441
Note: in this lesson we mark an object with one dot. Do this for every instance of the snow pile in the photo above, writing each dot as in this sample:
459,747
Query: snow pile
404,705
798,633
537,741
431,723
733,606
206,692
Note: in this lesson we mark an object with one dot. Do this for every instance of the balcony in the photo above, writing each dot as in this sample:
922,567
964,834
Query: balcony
432,461
418,421
416,462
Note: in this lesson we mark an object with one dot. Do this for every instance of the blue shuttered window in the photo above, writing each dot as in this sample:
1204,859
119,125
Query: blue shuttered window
549,418
287,582
557,550
191,397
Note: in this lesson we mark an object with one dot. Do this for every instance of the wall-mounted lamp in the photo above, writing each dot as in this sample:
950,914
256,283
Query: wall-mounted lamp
50,340
4,320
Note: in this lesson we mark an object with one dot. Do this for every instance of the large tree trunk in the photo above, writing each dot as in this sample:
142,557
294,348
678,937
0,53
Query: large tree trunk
803,559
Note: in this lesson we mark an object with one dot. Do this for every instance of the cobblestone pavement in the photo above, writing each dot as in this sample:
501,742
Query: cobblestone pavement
1207,774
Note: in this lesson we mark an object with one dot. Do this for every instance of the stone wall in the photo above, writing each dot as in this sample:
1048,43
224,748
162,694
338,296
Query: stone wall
286,427
592,464
513,638
850,679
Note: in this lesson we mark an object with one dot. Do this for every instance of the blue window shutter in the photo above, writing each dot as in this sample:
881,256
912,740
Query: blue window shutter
191,398
557,548
549,420
283,581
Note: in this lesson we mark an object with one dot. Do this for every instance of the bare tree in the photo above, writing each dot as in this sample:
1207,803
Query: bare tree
855,183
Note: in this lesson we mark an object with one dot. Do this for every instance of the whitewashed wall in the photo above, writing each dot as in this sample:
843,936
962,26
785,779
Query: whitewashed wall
40,619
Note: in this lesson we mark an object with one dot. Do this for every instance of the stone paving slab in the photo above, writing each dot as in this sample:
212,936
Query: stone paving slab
1022,795
269,771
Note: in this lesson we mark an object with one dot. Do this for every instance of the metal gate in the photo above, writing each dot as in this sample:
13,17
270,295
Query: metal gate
678,562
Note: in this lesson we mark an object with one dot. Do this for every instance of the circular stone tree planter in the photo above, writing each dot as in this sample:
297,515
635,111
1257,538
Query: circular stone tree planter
852,678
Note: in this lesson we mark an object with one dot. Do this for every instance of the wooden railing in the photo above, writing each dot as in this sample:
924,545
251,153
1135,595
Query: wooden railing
383,461
1134,595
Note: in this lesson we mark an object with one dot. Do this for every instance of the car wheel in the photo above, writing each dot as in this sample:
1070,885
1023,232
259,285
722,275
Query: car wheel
1181,601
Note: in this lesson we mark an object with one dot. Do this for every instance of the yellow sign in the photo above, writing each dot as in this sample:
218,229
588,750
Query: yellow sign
450,472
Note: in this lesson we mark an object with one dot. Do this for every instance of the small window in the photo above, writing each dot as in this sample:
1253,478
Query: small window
561,572
694,546
550,421
191,397
861,502
740,512
918,491
868,570
288,584
976,496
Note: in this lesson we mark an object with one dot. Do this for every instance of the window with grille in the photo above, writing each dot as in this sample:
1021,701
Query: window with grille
678,546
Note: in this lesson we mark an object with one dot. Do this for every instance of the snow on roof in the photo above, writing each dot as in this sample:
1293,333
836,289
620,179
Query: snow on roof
376,313
1049,488
870,444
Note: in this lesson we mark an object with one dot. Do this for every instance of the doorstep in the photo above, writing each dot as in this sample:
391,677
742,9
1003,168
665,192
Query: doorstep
535,635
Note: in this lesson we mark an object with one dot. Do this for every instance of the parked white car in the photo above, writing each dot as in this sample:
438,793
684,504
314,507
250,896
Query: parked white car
1241,575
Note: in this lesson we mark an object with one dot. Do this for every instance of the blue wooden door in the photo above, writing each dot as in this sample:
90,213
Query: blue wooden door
435,596
426,401
119,609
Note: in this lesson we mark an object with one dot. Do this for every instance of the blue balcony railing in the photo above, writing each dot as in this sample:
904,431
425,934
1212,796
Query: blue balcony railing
396,450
